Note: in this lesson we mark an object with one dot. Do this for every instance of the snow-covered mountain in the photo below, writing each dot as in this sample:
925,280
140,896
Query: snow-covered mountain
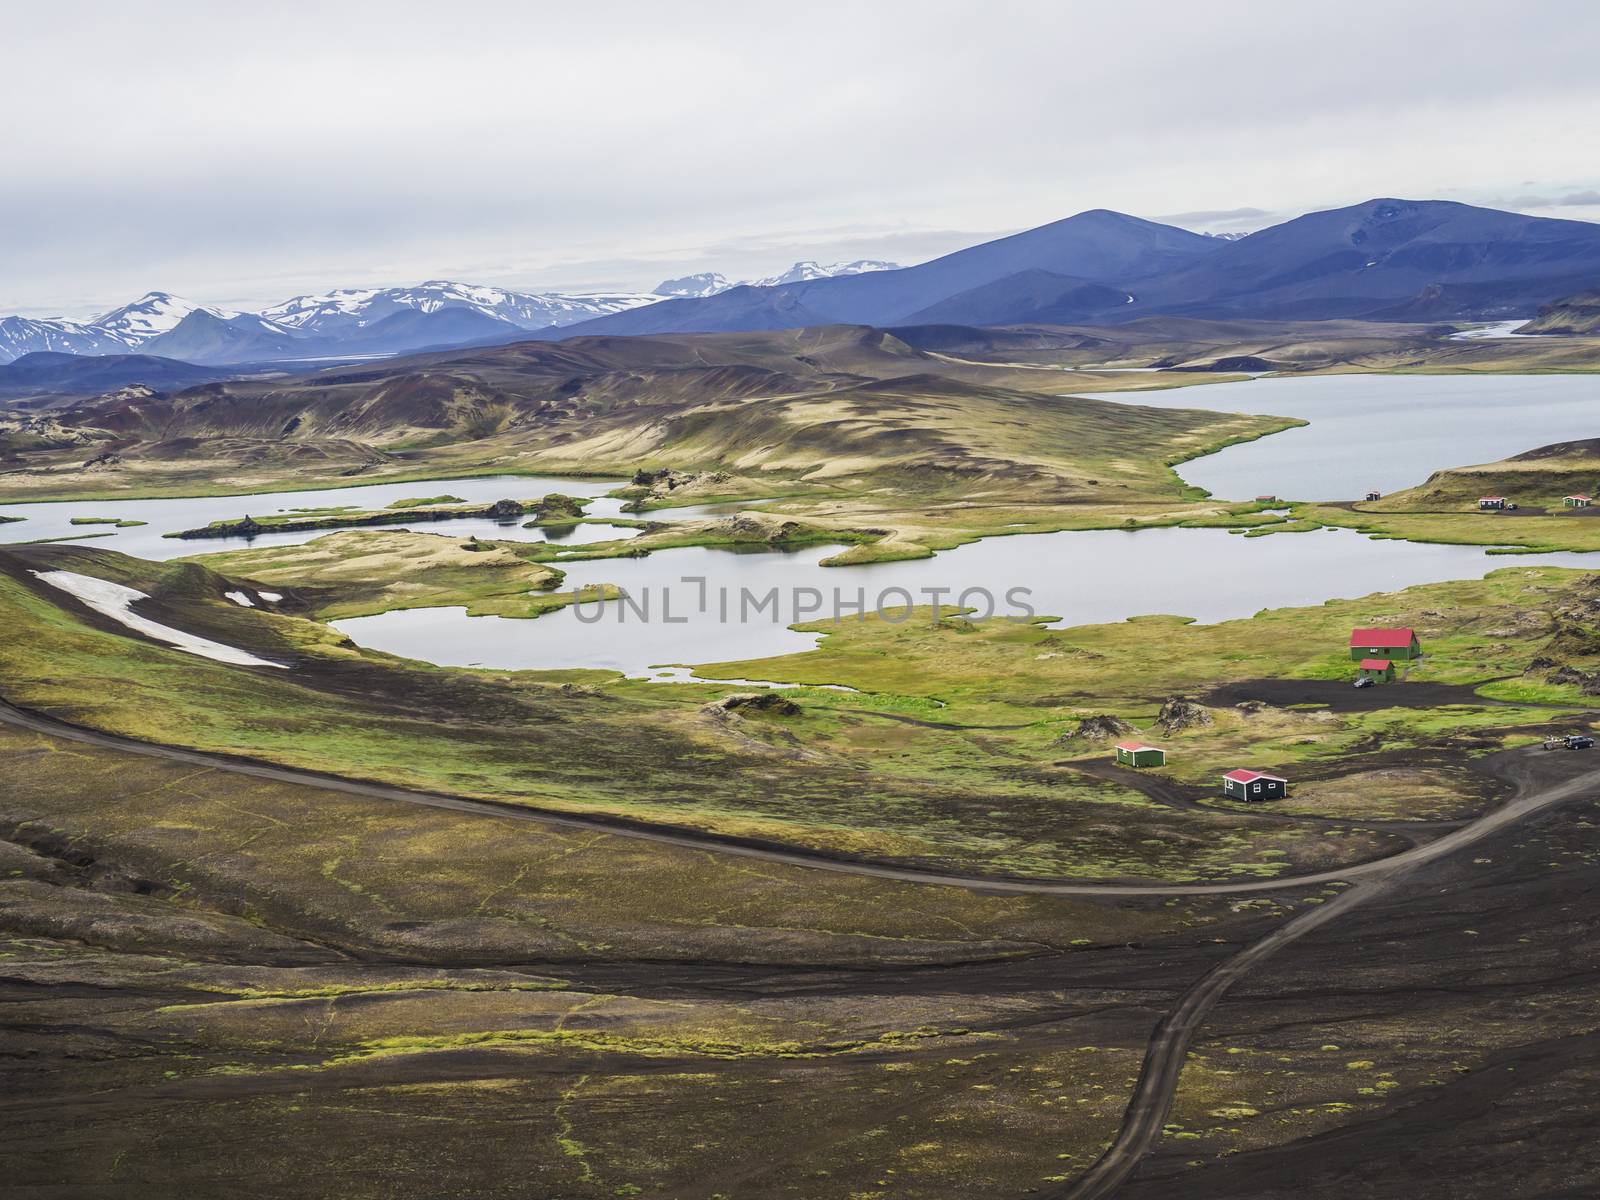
24,335
340,312
151,315
706,283
802,272
316,326
710,283
122,329
353,320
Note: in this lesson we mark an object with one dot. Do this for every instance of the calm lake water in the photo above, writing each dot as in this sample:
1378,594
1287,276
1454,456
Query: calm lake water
54,519
1380,431
1080,577
1366,431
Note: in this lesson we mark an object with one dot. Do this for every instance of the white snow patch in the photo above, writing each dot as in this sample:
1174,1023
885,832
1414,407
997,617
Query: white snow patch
270,597
241,599
115,601
809,269
150,316
1496,331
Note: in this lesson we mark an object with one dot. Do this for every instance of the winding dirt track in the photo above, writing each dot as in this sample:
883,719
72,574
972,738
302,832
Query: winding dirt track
1169,1043
665,834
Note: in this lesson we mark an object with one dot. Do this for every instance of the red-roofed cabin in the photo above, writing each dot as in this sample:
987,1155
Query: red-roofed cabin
1380,670
1267,500
1491,502
1578,501
1254,785
1137,754
1374,494
1388,643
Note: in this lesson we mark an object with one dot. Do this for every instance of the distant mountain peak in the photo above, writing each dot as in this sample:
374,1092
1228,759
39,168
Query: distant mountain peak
809,269
347,309
705,283
151,315
712,283
1387,258
310,326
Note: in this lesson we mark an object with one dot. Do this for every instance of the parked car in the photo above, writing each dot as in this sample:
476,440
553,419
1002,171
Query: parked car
1573,741
1364,681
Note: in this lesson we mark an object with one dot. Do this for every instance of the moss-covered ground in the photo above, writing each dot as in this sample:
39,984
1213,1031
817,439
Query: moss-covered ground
342,995
358,572
320,992
627,749
955,747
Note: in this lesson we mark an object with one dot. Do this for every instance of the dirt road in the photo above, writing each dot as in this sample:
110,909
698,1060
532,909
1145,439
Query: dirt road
1542,780
690,838
1169,1044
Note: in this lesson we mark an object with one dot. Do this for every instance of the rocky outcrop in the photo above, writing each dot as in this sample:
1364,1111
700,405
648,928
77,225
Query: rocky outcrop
504,510
753,702
556,507
650,486
753,527
248,527
1564,674
1096,729
1180,713
664,480
1572,640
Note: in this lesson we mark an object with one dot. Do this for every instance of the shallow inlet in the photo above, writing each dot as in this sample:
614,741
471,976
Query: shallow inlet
53,519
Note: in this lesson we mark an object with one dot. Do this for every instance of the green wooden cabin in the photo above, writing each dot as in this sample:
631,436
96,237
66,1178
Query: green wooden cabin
1400,645
1137,754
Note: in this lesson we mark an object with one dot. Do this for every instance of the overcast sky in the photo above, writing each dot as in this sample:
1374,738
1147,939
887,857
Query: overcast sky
238,155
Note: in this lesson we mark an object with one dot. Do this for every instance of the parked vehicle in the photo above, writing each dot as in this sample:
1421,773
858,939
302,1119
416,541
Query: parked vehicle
1365,681
1572,741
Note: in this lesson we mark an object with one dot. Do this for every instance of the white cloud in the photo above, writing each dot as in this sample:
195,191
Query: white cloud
239,154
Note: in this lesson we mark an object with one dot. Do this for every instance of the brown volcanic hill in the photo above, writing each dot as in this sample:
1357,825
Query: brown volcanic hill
463,394
1575,315
837,406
